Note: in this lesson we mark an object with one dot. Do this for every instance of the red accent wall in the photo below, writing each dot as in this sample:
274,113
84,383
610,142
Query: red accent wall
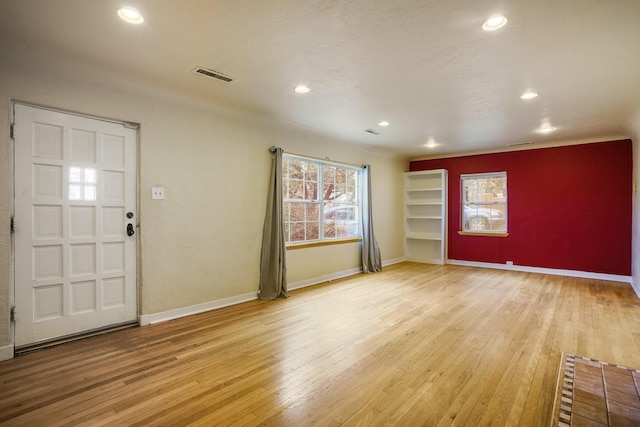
569,207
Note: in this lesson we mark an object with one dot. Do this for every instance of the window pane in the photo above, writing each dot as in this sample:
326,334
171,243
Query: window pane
329,230
75,174
296,169
313,231
471,190
342,230
295,189
75,192
311,172
352,178
90,176
329,174
340,193
310,190
313,212
297,232
89,192
327,190
296,212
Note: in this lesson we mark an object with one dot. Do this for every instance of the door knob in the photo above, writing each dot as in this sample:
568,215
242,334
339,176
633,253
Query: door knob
130,231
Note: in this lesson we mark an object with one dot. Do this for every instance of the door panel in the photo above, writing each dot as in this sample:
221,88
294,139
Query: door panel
75,265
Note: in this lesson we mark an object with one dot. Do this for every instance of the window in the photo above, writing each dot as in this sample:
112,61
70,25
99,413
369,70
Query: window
484,202
82,183
321,200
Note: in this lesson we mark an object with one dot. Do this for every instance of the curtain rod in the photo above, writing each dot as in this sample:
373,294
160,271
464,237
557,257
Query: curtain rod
273,150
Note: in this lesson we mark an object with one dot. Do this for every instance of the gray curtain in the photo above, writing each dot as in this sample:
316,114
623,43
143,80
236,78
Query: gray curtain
371,261
273,262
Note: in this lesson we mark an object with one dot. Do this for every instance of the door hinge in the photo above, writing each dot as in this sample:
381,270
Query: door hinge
13,314
11,131
13,225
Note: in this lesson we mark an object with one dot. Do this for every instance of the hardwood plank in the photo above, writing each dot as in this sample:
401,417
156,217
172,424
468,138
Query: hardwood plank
412,345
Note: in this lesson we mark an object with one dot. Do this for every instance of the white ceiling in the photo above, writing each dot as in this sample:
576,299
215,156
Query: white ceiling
425,66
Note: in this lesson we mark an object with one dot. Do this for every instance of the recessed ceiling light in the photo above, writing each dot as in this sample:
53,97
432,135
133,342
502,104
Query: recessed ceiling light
431,143
302,89
494,22
529,95
383,123
545,128
130,15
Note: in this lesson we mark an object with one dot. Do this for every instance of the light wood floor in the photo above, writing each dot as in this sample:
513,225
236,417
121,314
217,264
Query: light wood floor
412,345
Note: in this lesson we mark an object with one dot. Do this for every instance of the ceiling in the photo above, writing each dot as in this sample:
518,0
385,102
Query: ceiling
427,67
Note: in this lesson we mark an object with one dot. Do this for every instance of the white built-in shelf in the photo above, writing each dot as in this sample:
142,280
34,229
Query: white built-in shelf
423,236
425,216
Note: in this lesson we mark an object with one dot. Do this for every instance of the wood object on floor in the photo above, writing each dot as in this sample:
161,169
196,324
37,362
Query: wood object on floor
595,393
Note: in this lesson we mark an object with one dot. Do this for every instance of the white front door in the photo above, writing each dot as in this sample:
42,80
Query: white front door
75,204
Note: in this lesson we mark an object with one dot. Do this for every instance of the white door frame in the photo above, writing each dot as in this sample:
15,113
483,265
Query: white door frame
12,273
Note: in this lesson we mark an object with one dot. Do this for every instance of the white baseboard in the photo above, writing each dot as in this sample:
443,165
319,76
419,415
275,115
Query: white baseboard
148,319
393,261
334,276
320,279
554,271
6,352
635,288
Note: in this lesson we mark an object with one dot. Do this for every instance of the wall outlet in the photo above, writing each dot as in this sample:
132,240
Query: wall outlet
509,262
157,193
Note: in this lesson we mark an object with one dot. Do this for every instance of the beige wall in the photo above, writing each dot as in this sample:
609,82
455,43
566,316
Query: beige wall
202,243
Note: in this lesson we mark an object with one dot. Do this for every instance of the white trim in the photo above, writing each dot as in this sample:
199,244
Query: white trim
129,125
393,261
6,352
483,175
635,287
149,319
334,276
324,161
542,270
322,279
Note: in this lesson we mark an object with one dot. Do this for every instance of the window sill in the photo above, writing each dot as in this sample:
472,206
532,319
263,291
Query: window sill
475,233
292,246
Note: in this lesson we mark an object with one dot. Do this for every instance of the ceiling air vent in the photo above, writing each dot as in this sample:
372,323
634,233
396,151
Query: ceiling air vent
213,74
372,131
519,143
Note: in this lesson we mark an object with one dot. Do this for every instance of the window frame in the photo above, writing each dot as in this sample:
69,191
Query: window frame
321,202
464,229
